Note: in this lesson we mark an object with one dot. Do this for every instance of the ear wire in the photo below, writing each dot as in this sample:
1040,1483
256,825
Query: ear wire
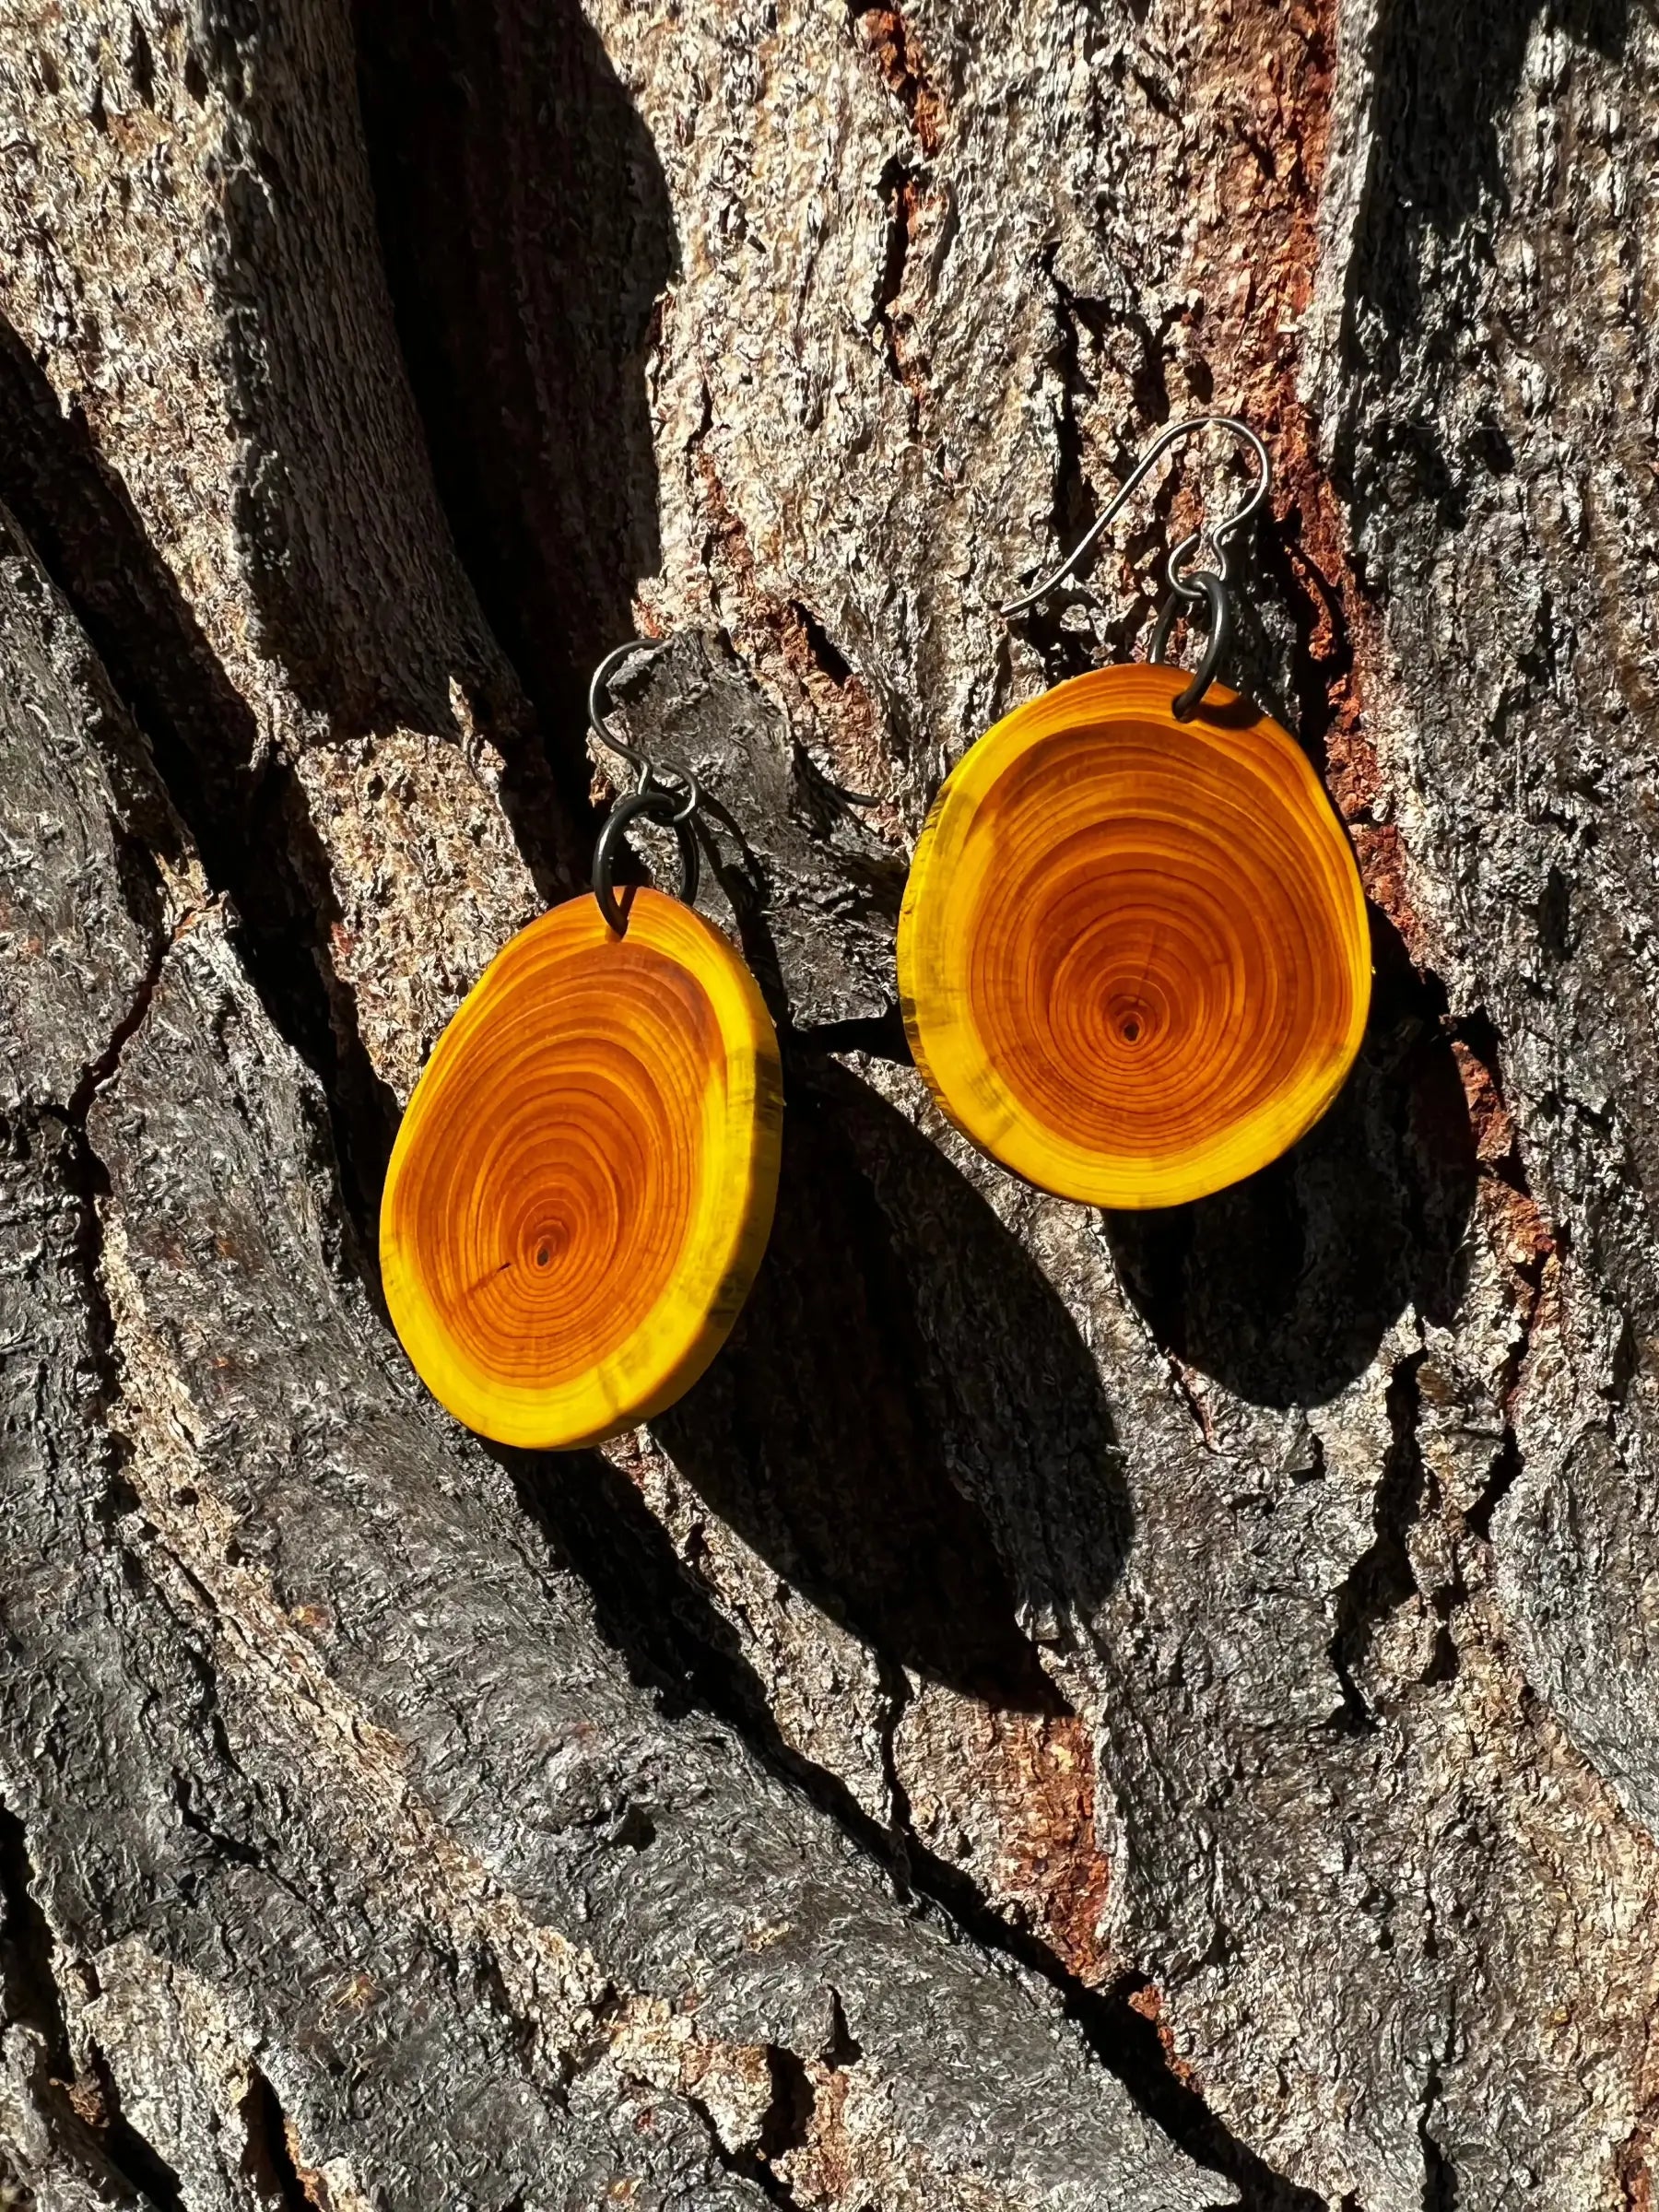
1218,533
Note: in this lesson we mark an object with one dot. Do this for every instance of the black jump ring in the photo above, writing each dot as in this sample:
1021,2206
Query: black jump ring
1211,588
658,806
653,781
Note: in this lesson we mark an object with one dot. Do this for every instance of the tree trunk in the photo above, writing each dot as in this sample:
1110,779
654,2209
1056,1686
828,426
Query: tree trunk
1072,1711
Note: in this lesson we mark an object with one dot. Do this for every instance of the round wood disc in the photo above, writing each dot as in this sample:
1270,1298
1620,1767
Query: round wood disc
1134,962
583,1185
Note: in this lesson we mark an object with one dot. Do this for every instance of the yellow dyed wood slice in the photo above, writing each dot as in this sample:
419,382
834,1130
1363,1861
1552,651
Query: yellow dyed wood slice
583,1186
1133,961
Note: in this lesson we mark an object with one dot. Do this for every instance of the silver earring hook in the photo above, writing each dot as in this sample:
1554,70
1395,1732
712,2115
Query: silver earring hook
653,777
1218,533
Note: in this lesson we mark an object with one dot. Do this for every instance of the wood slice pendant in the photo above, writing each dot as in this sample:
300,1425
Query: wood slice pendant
1134,962
583,1185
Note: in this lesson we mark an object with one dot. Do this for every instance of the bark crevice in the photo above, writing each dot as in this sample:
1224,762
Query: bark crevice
1382,1578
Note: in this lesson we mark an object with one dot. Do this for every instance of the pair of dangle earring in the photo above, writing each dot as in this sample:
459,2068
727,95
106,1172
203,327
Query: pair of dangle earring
583,1184
1133,967
1133,961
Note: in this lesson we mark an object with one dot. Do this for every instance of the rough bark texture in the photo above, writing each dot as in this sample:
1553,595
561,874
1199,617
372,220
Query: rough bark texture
1071,1711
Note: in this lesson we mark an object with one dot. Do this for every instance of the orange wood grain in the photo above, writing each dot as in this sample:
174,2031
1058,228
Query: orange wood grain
583,1185
1133,959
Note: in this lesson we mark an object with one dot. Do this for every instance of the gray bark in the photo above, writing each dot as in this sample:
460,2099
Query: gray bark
1072,1711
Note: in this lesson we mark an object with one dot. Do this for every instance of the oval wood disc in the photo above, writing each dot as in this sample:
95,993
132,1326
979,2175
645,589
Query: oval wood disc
583,1185
1134,962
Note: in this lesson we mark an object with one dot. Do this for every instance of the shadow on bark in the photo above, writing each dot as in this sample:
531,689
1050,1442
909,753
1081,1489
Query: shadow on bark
1446,78
1283,1287
527,234
906,1407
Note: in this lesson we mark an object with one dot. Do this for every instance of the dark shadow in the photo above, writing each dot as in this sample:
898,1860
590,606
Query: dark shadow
1282,1287
1446,80
242,803
905,1422
526,233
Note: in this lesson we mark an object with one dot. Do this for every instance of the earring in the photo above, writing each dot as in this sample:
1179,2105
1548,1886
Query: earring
583,1184
1134,963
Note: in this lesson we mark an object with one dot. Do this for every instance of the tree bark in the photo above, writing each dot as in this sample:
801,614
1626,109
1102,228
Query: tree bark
1072,1711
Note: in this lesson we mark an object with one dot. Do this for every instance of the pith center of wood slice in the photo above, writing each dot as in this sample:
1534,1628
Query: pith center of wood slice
583,1182
1133,960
